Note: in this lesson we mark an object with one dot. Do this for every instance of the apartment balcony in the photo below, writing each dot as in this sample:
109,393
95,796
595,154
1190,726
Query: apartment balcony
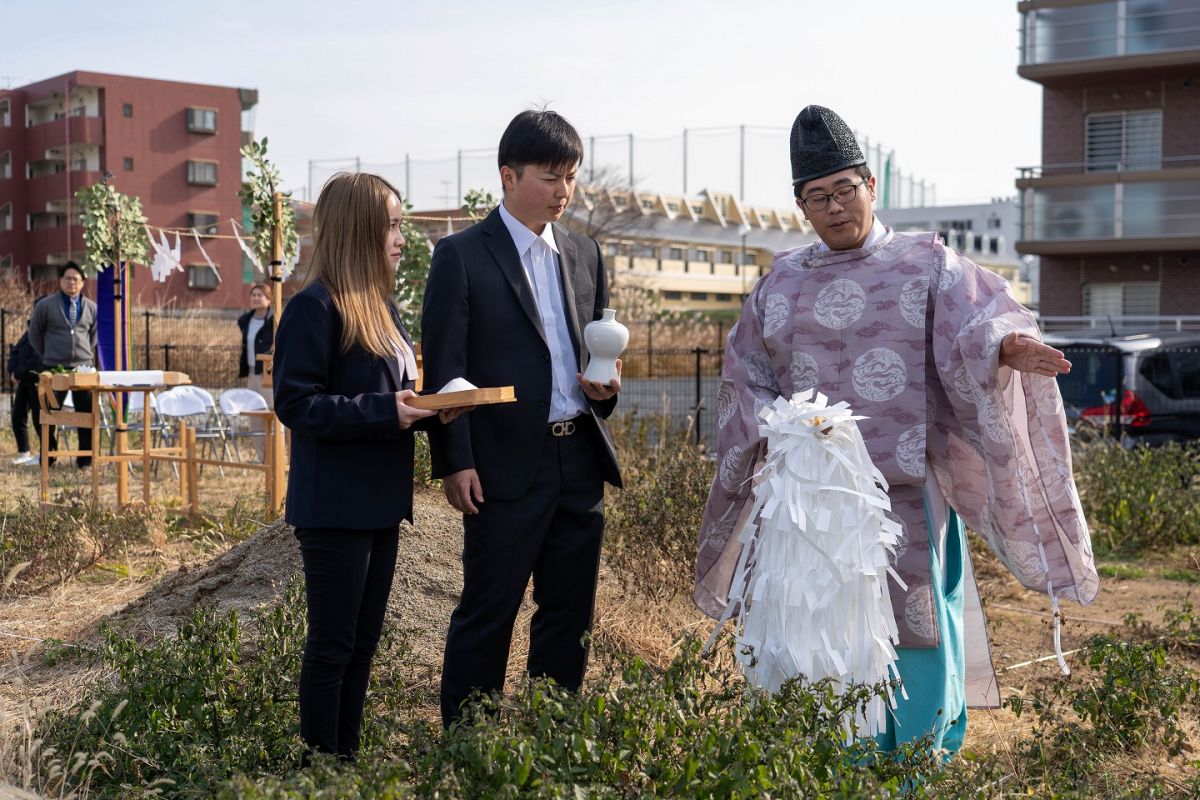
55,134
44,243
50,192
1067,210
1063,40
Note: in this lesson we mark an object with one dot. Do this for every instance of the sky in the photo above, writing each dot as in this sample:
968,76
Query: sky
933,81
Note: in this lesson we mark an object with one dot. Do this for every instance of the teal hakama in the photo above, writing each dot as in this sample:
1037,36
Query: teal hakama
934,678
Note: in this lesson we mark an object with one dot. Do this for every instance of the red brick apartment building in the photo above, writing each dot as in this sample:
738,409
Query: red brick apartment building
174,145
1114,209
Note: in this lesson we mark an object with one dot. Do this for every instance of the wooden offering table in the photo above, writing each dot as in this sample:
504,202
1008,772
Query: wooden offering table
116,383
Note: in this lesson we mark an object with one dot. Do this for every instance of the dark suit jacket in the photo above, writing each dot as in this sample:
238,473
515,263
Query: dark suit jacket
263,341
480,321
352,465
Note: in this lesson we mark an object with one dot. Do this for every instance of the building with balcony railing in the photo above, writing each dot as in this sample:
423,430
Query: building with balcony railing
65,133
1113,211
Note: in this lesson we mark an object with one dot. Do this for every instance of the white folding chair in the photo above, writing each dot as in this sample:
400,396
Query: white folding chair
180,403
214,429
233,403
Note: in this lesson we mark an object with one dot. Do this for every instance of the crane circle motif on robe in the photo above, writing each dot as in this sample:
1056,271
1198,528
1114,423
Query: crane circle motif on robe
804,371
733,468
727,404
949,274
879,374
759,370
913,296
910,451
965,385
776,315
916,611
840,304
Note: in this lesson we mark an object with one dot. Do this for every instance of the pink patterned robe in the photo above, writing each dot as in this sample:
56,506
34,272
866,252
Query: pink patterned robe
907,332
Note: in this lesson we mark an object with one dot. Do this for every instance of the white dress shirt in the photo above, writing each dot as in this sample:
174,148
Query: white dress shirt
539,257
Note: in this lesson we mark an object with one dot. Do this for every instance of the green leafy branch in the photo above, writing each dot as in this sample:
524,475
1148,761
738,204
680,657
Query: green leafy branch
258,194
113,223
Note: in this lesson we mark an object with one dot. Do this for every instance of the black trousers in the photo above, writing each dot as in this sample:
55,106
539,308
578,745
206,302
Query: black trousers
83,404
552,533
24,403
347,579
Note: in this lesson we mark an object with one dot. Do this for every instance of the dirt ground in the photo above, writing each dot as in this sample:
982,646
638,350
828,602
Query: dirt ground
149,593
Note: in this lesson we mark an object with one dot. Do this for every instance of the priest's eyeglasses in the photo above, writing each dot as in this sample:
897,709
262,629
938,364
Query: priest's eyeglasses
843,194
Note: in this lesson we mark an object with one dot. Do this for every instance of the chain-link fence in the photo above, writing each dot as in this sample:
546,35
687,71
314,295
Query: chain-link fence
748,161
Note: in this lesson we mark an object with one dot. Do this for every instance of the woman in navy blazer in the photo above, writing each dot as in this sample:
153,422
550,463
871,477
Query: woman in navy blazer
344,369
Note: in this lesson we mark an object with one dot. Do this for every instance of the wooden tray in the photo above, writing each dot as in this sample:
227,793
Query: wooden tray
471,397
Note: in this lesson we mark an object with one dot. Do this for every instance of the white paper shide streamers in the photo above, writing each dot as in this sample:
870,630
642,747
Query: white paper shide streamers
811,583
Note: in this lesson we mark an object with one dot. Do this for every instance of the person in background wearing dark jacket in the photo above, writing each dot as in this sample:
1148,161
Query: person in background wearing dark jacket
344,371
258,337
23,369
63,334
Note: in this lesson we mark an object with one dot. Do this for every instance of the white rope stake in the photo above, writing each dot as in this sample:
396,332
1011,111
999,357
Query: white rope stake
810,589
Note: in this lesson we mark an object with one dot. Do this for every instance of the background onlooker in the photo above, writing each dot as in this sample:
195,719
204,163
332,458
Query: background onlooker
23,369
63,334
258,337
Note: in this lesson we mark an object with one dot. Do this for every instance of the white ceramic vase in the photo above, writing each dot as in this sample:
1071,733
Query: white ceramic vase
605,339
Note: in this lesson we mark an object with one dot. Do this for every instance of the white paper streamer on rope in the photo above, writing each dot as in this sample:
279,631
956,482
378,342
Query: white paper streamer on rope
166,259
810,589
203,252
246,249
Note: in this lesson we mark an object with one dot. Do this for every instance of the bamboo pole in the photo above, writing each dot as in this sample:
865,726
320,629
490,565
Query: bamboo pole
118,363
278,455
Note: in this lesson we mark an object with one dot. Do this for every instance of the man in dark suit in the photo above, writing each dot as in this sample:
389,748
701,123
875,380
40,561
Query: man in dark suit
505,304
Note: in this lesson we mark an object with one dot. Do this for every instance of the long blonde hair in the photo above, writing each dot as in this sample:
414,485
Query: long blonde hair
350,258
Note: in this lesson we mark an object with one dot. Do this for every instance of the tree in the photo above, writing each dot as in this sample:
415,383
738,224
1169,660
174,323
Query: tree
258,194
411,273
113,223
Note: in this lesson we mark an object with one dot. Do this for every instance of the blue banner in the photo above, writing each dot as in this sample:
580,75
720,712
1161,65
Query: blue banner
106,319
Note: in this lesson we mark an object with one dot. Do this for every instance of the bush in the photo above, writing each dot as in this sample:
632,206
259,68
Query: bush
652,523
1140,498
42,547
1130,703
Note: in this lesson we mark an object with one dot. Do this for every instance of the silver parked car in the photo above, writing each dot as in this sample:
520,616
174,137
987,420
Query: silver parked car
1144,388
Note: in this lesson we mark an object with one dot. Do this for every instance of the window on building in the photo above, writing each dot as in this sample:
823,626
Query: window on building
6,217
1120,299
204,222
700,255
721,297
647,203
202,120
201,276
724,256
5,165
747,258
697,209
1124,140
202,173
670,295
645,251
676,254
699,295
127,163
673,207
994,246
5,113
127,109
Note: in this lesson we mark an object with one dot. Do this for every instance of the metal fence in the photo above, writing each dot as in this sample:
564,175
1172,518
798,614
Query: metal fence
204,343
